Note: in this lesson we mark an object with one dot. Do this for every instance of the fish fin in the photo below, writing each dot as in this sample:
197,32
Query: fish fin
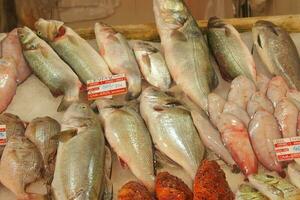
274,30
158,108
259,41
65,103
161,160
64,136
56,93
146,60
123,163
101,49
178,35
227,31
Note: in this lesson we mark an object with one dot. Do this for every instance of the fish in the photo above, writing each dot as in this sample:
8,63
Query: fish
247,192
277,89
21,165
235,136
49,68
263,130
80,161
262,82
215,107
231,53
118,55
286,114
293,171
73,49
274,187
135,146
240,113
8,82
241,90
278,52
172,129
211,137
11,48
257,102
294,97
152,65
14,126
185,50
41,132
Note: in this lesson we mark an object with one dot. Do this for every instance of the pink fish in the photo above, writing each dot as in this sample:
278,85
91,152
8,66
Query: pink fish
236,138
11,47
263,129
8,83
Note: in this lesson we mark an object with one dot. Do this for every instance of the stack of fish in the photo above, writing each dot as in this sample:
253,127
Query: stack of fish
151,123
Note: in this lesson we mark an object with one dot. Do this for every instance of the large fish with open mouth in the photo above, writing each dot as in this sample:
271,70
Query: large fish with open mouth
277,51
81,57
118,55
49,67
172,129
128,136
185,50
231,53
79,169
152,64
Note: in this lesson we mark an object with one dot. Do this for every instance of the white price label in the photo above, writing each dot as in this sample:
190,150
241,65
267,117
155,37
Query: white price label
287,148
3,139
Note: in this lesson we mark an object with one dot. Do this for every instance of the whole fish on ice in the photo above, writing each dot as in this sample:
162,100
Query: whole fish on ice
185,50
172,129
229,50
152,64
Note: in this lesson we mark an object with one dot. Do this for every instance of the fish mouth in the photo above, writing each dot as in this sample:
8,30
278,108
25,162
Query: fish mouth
215,22
49,29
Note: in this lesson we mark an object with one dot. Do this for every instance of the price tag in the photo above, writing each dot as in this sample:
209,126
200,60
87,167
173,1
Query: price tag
107,87
287,148
3,135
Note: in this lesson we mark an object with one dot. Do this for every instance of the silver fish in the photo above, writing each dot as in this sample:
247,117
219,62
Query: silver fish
79,169
172,129
241,90
274,187
49,67
277,51
81,57
185,50
118,55
128,136
152,64
263,129
286,114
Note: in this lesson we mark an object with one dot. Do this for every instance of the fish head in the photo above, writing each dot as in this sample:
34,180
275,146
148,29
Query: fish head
27,38
174,13
101,27
49,29
215,22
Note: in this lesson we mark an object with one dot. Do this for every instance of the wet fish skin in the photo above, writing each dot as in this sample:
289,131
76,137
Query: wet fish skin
127,134
11,47
215,107
241,90
236,139
286,114
118,55
277,51
8,82
50,69
294,97
79,169
152,65
277,89
246,192
21,164
211,137
262,82
41,131
240,113
274,187
172,129
185,50
74,50
293,171
14,126
259,101
263,129
229,50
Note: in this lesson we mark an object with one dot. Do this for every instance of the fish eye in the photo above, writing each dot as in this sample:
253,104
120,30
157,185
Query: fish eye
39,32
83,107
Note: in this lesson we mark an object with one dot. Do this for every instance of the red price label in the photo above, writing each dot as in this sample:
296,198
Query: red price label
107,86
287,148
3,139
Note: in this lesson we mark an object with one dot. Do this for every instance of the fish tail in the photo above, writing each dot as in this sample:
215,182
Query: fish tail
65,103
